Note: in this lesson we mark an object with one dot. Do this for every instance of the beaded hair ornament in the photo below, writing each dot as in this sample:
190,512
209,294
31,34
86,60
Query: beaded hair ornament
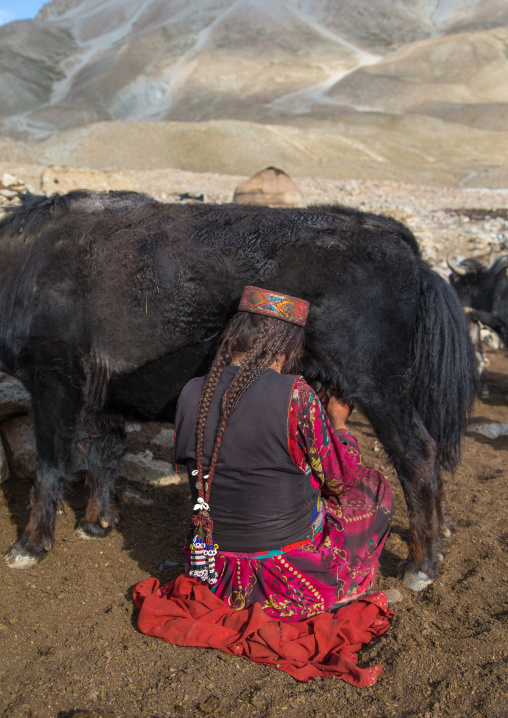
203,549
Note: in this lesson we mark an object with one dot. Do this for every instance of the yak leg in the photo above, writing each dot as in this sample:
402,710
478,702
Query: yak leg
479,352
445,525
421,494
105,450
56,407
413,452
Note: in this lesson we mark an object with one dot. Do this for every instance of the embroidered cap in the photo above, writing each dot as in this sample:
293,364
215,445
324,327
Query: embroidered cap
274,304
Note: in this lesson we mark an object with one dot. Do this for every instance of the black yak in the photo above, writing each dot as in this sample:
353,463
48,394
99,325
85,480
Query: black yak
110,303
483,291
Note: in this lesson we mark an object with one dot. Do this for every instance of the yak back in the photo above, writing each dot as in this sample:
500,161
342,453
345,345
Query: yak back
119,208
132,280
36,211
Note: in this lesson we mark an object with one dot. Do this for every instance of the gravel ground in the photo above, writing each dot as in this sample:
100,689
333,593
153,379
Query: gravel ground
69,646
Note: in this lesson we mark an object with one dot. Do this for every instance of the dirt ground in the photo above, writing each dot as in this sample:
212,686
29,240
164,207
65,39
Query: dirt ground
69,645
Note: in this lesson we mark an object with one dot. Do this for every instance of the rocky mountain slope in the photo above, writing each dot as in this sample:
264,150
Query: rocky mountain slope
330,81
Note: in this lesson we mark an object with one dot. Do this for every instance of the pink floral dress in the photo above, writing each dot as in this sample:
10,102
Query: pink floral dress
349,529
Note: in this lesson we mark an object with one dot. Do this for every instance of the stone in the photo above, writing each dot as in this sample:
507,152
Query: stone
393,595
8,193
66,179
132,426
164,439
210,706
19,442
490,338
152,439
271,187
14,398
491,430
129,496
143,469
8,180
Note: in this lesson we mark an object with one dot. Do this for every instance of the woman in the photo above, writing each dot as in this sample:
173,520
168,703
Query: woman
285,513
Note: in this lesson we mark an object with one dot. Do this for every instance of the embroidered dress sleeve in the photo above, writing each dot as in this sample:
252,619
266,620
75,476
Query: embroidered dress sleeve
333,456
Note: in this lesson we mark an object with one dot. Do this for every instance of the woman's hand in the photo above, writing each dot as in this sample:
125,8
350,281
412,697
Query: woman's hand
336,408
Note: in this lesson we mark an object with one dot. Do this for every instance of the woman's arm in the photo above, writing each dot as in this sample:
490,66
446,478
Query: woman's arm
333,454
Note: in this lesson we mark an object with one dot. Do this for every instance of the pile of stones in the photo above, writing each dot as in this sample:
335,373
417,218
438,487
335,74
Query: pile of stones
148,459
17,446
9,188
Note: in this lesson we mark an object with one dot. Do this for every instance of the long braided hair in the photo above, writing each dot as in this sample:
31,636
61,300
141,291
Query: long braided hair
261,340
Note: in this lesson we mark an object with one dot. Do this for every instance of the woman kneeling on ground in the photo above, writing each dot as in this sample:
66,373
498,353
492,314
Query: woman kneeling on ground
298,521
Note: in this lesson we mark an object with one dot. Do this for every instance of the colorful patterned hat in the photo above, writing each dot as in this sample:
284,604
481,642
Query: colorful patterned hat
274,304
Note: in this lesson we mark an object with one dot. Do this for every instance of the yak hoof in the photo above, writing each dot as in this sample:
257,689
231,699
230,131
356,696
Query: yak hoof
89,530
82,534
445,532
417,581
21,557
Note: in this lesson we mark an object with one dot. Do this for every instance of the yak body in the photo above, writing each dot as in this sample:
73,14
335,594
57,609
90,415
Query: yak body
110,303
483,292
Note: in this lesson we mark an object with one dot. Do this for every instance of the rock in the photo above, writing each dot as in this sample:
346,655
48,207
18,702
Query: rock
4,465
9,188
491,430
136,499
132,426
155,437
7,180
14,398
18,449
19,442
165,439
8,193
271,187
143,469
66,179
490,338
393,595
210,706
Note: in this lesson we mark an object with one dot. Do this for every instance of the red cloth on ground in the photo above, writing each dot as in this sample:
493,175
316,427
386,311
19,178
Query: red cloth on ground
185,612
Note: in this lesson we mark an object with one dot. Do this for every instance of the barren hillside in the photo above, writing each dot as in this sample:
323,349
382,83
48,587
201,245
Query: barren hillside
409,90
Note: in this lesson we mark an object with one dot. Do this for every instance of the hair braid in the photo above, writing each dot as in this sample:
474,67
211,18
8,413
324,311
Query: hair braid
259,340
222,358
273,339
249,372
205,401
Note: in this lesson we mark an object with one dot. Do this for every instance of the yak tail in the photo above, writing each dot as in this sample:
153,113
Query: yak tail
443,378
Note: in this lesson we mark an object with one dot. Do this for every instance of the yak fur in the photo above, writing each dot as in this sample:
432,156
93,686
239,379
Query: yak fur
110,303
